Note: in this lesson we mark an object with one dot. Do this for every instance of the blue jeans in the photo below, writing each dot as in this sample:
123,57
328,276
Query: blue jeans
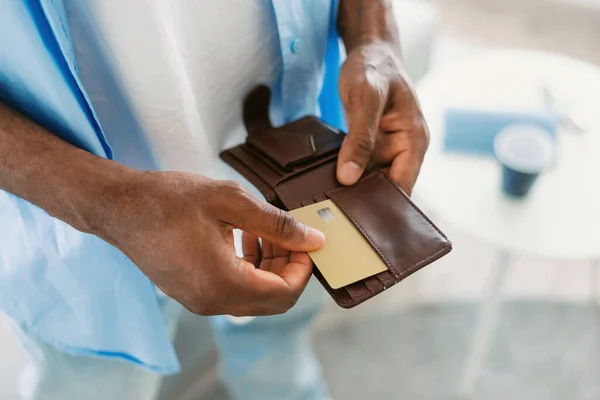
265,358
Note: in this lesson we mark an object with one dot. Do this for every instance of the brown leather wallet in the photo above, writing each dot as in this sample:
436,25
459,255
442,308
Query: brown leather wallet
294,166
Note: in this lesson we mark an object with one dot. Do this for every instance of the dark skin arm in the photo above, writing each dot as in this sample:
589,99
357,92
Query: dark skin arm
176,227
385,122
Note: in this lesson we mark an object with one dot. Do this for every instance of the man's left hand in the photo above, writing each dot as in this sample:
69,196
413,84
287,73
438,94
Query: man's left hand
385,122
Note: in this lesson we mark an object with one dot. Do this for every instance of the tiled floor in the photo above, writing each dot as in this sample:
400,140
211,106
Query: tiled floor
539,351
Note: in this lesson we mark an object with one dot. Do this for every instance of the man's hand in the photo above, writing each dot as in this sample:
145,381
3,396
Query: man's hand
178,229
385,122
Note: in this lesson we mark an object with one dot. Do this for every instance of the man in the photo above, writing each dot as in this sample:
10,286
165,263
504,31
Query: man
165,81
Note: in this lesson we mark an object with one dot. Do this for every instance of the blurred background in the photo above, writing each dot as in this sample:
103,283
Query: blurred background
512,312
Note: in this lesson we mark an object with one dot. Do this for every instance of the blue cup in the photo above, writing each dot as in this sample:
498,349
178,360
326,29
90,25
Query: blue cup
524,151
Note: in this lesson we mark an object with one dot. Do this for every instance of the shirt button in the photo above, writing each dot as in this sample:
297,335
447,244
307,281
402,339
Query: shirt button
296,45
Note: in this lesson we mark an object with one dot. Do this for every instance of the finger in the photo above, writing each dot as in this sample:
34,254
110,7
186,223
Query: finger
267,250
389,145
364,107
395,121
251,248
267,256
279,291
239,311
405,170
229,238
300,257
281,257
255,311
243,211
283,230
297,273
243,310
280,252
276,265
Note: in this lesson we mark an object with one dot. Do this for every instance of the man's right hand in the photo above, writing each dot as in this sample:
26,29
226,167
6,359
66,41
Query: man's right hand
178,229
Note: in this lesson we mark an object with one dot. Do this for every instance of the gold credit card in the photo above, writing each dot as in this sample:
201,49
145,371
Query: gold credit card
347,256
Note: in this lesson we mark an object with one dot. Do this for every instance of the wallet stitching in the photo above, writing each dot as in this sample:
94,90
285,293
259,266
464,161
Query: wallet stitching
368,237
414,206
444,247
398,275
416,266
382,281
370,285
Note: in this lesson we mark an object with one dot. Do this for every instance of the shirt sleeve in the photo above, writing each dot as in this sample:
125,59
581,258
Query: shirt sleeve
38,74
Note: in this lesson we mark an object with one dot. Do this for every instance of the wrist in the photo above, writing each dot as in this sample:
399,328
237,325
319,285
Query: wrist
364,22
69,183
105,199
376,50
379,59
374,40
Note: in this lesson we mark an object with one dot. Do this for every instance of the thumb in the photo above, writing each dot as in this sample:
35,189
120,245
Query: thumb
283,230
363,123
263,220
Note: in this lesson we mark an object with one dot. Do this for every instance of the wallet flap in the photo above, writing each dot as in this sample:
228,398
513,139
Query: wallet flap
325,138
405,239
283,146
292,144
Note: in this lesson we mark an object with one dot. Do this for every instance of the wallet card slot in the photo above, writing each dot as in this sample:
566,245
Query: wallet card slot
359,292
320,198
399,232
256,165
373,284
285,174
312,163
341,296
282,146
309,202
386,278
265,159
292,169
308,185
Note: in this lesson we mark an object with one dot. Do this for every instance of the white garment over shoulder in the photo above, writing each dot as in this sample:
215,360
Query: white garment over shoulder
166,79
185,67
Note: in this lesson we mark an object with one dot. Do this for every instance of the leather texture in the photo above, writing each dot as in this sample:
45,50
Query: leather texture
294,166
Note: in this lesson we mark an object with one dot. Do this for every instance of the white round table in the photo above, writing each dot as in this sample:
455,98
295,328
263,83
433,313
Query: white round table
560,218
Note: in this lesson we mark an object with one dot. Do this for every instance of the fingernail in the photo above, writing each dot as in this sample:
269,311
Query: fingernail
314,238
349,173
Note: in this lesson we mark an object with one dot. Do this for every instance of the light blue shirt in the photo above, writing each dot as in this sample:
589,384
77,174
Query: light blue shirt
74,290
